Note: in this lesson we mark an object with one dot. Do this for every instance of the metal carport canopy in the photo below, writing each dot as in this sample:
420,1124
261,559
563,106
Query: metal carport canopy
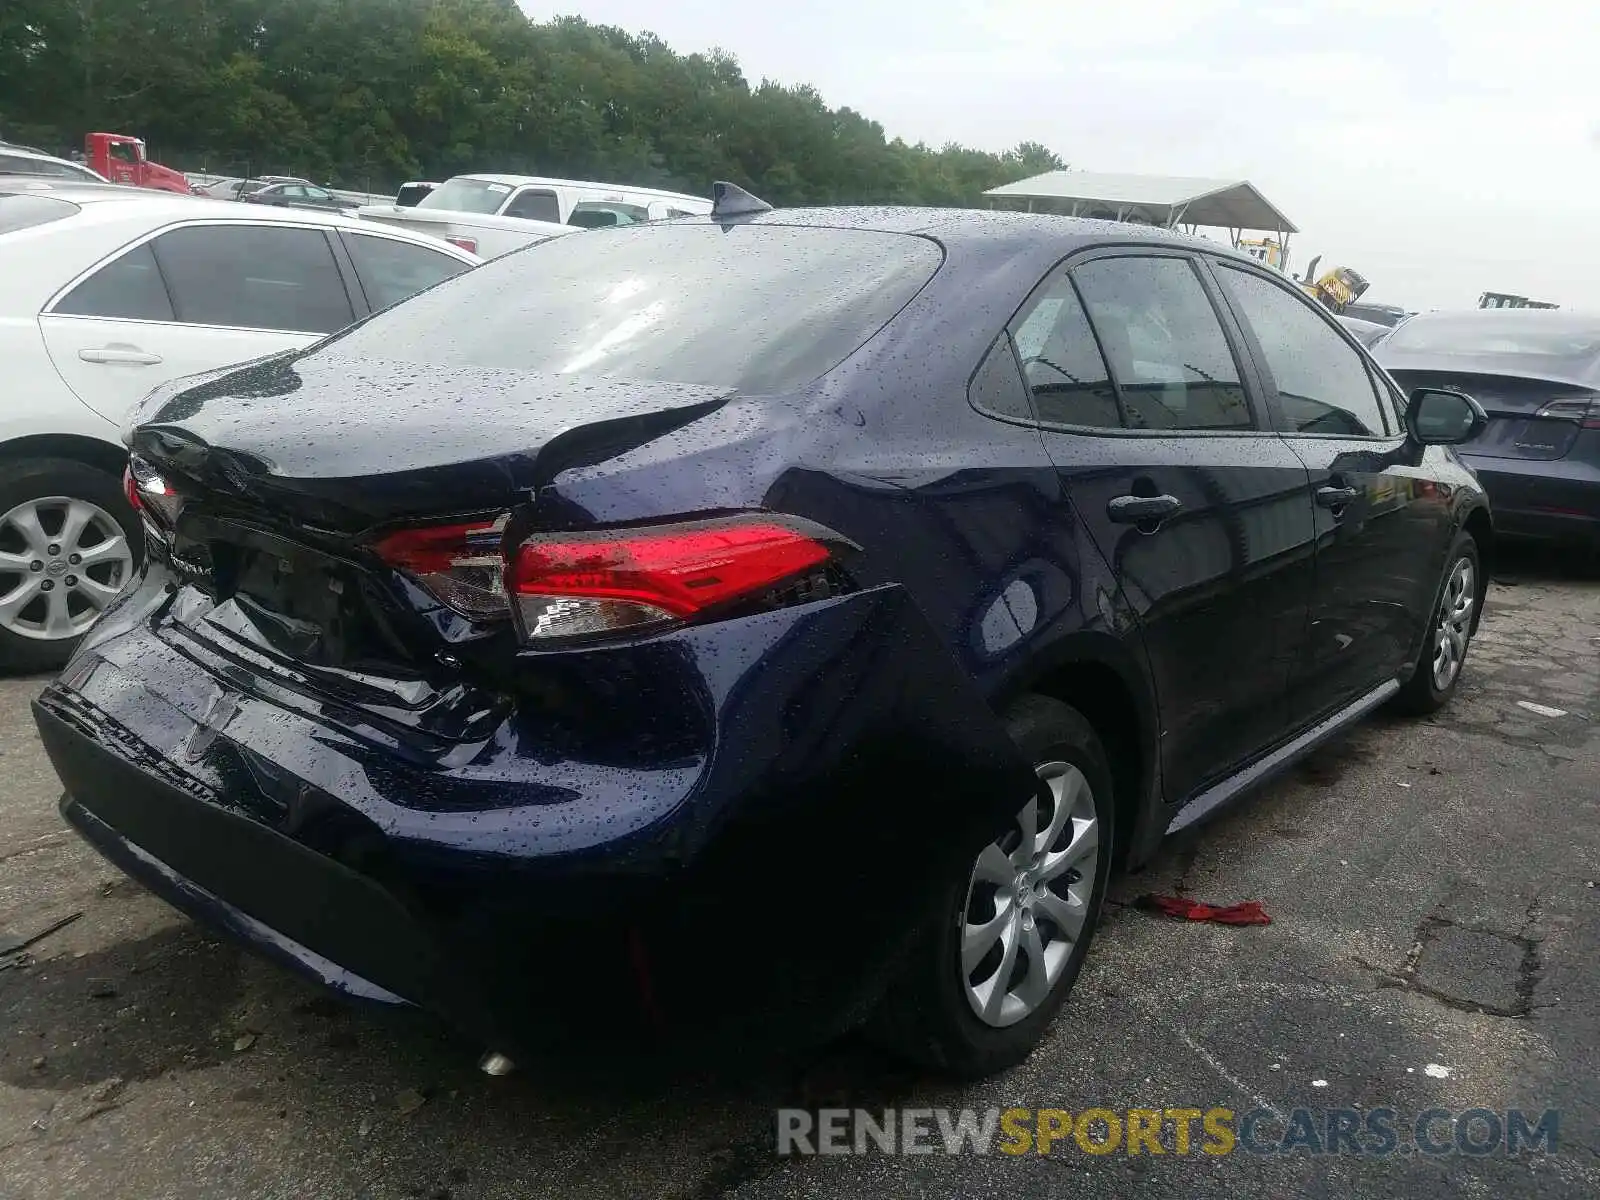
1160,199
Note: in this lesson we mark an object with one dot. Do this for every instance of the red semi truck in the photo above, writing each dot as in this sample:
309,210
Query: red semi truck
121,159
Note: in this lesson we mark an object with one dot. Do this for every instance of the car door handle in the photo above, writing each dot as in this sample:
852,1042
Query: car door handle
1336,497
130,355
1139,510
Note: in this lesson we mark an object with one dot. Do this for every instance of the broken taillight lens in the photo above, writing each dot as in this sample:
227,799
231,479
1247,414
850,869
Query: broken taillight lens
460,564
575,585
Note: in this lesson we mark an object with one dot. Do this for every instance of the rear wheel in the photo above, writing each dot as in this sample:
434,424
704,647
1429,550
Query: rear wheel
69,541
1006,940
1438,668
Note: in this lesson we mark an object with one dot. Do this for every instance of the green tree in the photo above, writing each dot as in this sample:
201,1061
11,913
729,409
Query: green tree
371,92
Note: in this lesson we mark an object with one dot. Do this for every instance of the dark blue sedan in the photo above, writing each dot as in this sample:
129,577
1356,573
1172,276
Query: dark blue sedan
757,625
1537,374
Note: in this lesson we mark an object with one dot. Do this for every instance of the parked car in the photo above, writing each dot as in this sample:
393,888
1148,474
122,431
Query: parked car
239,189
492,215
297,195
1367,333
739,625
1388,315
15,160
106,292
1537,372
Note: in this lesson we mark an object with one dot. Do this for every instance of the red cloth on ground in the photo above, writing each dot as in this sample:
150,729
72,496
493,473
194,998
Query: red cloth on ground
1246,912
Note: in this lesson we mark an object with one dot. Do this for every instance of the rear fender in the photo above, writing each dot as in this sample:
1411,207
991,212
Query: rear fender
1142,815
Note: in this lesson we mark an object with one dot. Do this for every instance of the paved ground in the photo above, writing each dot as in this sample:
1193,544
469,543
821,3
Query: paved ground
1436,943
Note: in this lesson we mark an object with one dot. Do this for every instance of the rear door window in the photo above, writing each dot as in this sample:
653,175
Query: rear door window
750,308
1323,382
128,288
1060,360
390,270
1168,354
996,388
254,277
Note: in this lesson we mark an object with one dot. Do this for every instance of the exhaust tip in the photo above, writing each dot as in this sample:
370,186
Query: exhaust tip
495,1063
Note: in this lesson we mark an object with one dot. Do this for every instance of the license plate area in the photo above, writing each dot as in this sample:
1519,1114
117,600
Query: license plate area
296,601
290,599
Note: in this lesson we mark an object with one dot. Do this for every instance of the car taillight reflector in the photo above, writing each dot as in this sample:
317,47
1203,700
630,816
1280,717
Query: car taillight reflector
130,489
470,245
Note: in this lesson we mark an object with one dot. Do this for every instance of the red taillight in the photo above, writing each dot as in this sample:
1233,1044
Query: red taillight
582,583
564,585
130,489
470,245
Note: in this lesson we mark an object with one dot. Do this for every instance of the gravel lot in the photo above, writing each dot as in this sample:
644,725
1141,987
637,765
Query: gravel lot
1433,888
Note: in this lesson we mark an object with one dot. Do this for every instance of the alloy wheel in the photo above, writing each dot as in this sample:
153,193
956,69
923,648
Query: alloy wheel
1028,899
1455,624
62,561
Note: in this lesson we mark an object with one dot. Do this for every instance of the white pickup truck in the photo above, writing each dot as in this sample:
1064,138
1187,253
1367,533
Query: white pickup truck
491,215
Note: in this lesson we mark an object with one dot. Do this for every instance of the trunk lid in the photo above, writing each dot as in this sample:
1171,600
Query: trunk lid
283,471
346,444
1516,428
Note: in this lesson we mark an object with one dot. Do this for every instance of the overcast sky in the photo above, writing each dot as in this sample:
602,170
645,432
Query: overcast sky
1441,150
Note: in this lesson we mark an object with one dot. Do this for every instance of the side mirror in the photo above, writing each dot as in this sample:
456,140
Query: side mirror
1440,417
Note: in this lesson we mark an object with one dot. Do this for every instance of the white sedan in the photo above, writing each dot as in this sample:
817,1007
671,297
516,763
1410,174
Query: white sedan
106,292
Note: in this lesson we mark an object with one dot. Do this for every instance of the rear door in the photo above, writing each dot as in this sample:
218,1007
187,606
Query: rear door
1381,527
192,299
1199,507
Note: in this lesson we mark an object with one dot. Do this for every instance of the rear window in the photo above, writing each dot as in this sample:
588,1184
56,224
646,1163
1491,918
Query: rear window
754,308
467,195
1521,339
22,211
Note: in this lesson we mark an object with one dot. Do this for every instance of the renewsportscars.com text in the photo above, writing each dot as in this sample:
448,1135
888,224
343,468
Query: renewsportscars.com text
1373,1132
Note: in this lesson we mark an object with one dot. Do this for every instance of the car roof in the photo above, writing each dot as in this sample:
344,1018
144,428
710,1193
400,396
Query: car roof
27,152
30,152
974,230
112,201
546,181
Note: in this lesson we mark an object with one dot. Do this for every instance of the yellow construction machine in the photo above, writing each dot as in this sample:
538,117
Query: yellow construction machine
1339,288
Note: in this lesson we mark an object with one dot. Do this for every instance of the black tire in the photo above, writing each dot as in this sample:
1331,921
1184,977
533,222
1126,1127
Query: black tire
1422,694
925,1015
32,479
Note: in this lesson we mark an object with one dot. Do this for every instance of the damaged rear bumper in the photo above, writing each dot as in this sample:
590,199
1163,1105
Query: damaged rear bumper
757,880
